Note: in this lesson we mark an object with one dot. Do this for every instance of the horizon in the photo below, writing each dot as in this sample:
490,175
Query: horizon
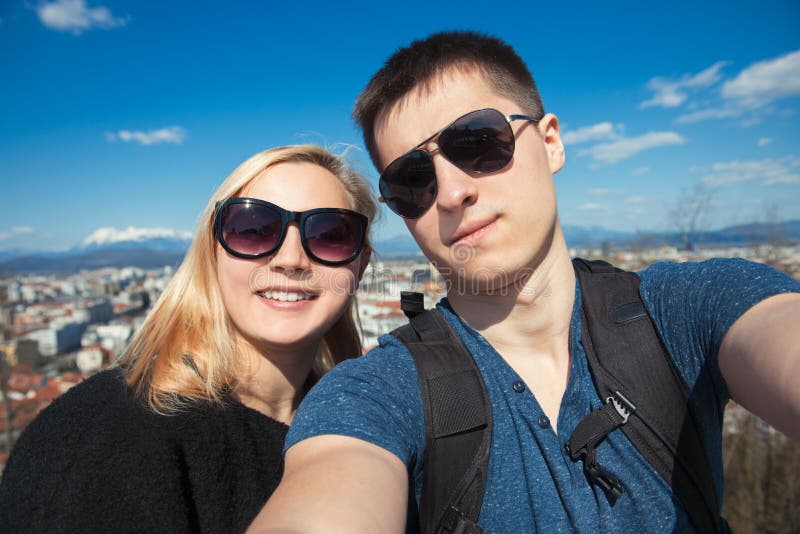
123,115
162,241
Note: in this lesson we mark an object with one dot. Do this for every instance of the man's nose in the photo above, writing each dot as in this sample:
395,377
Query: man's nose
456,188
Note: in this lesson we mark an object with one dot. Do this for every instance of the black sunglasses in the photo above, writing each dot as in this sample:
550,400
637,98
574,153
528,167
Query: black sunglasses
479,142
250,228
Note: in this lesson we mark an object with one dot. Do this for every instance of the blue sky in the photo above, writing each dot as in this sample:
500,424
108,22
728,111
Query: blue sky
128,114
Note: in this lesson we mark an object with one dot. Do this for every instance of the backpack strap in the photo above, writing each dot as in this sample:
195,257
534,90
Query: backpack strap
645,395
458,422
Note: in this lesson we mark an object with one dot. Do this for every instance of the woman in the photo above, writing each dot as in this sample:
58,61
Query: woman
186,434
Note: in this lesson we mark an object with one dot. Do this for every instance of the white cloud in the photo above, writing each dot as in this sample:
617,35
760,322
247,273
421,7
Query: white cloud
76,17
764,141
673,93
751,121
602,191
104,236
711,113
172,134
641,171
597,132
626,147
593,207
637,199
766,81
15,231
636,211
697,169
754,88
765,172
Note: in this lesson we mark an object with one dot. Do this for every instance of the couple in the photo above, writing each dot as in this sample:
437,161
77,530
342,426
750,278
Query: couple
467,155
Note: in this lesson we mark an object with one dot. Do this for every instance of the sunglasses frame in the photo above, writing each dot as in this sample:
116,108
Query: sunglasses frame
429,153
286,217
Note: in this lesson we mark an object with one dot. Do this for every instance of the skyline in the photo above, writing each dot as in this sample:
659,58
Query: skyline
127,115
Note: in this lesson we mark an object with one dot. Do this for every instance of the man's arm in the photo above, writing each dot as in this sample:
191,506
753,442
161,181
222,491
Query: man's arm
760,361
337,484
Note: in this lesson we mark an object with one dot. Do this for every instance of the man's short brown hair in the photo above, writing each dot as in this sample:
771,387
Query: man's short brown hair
421,61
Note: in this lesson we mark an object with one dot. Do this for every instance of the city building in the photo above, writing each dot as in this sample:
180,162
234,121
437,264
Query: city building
60,337
18,351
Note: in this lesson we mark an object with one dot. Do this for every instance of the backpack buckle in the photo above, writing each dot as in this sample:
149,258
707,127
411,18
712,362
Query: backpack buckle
622,405
610,485
412,303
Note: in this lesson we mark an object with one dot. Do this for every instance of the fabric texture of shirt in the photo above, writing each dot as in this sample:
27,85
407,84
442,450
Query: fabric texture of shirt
96,460
532,484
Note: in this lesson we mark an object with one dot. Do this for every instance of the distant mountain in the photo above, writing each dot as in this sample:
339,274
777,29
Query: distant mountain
581,235
106,247
163,247
12,253
144,258
754,232
162,239
744,234
398,246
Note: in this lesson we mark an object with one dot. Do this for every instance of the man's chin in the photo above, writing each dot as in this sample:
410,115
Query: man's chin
484,278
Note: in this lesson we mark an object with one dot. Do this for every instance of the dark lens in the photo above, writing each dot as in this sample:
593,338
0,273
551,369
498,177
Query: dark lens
334,237
480,142
250,228
408,185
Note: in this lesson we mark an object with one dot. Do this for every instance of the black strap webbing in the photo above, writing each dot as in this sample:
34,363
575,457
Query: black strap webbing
645,396
458,421
588,434
626,357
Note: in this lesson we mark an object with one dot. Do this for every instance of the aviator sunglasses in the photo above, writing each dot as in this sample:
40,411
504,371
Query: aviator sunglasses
479,142
250,228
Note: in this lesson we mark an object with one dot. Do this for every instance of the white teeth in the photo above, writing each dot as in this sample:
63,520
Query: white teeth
284,297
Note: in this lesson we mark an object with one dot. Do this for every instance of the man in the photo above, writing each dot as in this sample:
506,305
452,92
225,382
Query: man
488,221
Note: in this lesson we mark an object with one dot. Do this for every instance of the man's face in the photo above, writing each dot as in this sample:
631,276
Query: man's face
485,231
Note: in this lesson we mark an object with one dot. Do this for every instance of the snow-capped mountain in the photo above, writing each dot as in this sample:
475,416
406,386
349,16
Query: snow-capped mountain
131,237
105,247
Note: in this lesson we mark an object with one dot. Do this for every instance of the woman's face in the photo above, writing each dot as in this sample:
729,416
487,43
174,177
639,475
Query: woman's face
286,301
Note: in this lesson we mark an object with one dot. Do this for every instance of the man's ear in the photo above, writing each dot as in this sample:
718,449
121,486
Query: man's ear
551,135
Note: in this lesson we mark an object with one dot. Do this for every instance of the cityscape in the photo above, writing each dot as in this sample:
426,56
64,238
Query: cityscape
58,329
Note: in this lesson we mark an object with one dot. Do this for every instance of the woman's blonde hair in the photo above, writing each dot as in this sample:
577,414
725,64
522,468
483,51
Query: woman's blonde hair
186,350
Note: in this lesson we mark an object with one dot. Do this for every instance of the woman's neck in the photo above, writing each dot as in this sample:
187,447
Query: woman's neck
274,383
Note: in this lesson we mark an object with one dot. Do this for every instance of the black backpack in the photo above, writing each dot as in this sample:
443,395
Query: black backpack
645,397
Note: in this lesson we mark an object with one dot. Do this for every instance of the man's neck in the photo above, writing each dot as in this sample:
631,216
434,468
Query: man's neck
533,313
529,327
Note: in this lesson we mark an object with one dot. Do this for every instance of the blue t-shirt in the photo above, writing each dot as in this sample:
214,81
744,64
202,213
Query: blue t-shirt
532,484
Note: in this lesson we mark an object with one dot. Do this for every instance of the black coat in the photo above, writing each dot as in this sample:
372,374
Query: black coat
96,460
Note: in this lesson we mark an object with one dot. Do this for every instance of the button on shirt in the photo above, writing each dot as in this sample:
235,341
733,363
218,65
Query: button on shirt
544,422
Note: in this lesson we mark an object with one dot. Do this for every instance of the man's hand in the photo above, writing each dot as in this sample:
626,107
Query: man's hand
760,361
337,484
